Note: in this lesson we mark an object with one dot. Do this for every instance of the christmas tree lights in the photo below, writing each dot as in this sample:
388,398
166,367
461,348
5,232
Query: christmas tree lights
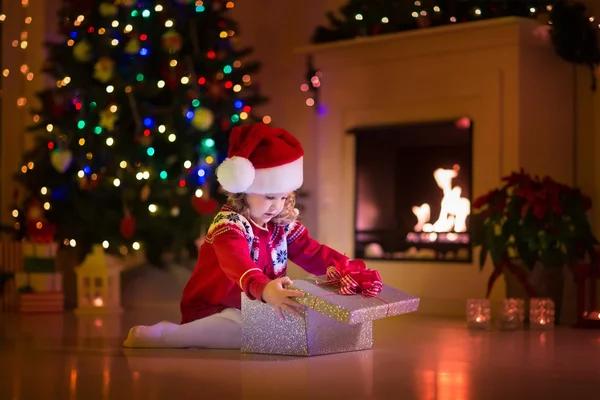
146,93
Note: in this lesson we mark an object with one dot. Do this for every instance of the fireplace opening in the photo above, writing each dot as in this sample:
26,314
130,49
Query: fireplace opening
413,191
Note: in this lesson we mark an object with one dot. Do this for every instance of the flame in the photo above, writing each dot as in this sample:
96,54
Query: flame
454,208
98,302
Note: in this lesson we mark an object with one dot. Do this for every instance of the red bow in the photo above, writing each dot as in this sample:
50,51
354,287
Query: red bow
354,277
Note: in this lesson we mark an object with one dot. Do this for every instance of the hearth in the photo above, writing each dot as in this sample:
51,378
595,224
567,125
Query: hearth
413,191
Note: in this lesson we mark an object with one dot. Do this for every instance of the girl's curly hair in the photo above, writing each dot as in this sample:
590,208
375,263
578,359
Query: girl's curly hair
288,215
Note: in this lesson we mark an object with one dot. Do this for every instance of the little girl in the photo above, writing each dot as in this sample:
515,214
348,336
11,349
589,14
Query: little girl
247,245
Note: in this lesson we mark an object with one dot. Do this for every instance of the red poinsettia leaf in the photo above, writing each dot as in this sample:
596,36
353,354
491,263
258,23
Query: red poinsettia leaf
481,201
524,210
557,208
540,210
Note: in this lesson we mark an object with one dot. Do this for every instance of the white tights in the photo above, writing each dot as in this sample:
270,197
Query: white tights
217,331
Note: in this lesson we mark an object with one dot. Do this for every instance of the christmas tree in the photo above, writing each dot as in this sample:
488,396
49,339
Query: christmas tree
129,137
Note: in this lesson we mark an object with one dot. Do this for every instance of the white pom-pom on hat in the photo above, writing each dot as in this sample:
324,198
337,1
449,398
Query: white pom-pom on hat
236,174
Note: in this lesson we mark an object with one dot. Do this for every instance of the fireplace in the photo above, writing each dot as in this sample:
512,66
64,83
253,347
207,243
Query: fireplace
413,191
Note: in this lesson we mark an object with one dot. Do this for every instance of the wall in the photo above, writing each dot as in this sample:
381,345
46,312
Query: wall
276,32
14,120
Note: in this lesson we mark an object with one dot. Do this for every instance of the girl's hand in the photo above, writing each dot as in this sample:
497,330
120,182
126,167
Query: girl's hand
279,297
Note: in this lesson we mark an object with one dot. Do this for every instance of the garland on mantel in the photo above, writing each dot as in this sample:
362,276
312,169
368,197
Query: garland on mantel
572,31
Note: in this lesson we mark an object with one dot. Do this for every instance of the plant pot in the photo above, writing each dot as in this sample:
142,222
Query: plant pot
547,282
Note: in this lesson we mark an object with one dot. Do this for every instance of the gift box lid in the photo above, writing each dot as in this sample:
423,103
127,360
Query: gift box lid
353,309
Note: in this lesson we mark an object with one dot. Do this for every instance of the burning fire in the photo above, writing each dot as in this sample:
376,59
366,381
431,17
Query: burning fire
454,208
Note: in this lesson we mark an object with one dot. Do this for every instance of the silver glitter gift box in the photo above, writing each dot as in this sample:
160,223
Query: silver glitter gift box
331,323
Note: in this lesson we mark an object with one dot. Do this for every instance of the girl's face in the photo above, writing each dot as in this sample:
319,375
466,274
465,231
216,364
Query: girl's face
264,207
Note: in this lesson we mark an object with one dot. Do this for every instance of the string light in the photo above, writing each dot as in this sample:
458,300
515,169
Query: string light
365,24
122,34
20,44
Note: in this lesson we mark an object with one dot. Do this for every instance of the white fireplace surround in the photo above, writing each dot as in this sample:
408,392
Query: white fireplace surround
501,73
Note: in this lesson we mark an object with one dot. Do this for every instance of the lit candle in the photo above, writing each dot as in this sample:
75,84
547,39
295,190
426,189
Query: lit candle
512,314
98,302
541,313
478,313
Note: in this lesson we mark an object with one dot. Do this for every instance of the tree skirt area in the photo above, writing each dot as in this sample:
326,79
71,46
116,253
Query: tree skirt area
150,287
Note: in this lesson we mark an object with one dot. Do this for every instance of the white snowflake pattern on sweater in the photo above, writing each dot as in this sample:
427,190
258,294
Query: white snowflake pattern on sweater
281,236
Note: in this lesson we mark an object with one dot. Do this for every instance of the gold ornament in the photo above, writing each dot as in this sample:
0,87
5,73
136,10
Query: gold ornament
203,119
82,51
108,119
107,10
133,46
145,193
171,41
61,159
104,69
145,141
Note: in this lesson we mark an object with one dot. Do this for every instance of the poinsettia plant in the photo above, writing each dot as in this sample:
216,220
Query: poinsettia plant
532,220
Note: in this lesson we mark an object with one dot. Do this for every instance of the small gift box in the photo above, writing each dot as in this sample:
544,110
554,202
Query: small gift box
46,302
40,249
39,265
40,282
331,323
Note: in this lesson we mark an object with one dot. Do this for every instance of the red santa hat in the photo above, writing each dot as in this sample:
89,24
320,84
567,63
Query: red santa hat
261,160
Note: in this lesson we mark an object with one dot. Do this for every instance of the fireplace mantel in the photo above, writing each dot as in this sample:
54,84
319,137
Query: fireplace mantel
500,73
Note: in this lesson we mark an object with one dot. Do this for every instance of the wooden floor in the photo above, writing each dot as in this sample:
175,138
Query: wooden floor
65,357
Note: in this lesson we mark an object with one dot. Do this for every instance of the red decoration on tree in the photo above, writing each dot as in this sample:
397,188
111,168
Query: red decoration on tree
225,124
204,206
38,229
171,41
127,226
172,75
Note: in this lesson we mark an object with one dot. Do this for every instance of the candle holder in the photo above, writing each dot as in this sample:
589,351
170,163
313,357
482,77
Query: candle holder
541,313
479,314
512,314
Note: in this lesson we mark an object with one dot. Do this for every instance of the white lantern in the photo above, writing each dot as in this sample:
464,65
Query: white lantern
98,284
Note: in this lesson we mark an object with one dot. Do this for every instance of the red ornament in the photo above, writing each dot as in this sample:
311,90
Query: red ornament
38,229
41,232
204,206
172,75
127,227
225,125
171,41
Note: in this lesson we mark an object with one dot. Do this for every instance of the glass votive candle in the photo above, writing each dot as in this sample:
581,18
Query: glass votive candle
512,314
479,314
541,313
